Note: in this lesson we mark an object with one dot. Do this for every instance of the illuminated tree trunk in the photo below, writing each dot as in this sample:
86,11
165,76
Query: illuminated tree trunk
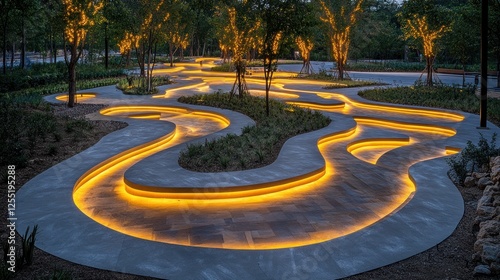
240,79
268,76
418,28
73,60
429,61
305,47
72,84
171,53
340,24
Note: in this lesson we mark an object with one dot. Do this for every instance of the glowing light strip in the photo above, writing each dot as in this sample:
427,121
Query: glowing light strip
112,161
235,191
317,106
372,144
81,96
433,113
164,109
151,116
452,150
425,128
222,192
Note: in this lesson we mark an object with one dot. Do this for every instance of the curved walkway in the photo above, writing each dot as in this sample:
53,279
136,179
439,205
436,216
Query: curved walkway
381,193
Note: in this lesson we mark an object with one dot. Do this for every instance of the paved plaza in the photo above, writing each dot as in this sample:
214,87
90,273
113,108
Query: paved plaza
368,190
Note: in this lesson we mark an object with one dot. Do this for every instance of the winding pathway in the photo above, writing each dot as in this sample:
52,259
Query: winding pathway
366,191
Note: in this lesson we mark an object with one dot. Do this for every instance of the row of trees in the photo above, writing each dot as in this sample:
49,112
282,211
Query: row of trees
244,28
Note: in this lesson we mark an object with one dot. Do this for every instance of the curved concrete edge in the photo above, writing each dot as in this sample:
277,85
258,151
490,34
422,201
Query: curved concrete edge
298,157
66,232
69,234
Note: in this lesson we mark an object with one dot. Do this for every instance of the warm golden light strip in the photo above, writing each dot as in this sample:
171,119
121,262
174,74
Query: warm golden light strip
218,202
164,109
312,238
452,150
222,192
235,191
369,145
113,161
425,128
396,109
78,96
411,111
151,116
317,106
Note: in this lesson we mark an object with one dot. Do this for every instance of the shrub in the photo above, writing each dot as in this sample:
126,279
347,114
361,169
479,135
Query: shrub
257,145
226,67
473,158
440,96
59,274
29,240
137,85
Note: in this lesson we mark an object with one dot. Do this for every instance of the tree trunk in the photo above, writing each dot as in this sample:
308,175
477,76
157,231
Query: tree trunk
12,56
22,63
106,46
498,69
4,50
429,61
171,53
71,83
340,68
268,76
54,49
72,76
51,46
463,75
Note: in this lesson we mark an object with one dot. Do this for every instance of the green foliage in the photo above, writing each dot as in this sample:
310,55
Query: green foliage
137,85
59,274
63,87
440,96
29,240
334,82
23,119
473,158
47,75
5,274
77,125
53,150
226,67
399,66
257,145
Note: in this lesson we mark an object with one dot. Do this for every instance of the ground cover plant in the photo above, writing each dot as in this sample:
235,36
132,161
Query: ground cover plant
332,82
440,96
401,66
137,85
258,145
473,158
50,77
227,67
29,129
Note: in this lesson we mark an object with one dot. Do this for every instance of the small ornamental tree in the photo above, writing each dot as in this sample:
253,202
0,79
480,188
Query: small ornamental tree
305,46
78,16
236,30
418,28
340,17
425,22
280,20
